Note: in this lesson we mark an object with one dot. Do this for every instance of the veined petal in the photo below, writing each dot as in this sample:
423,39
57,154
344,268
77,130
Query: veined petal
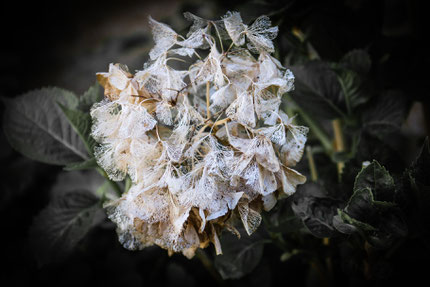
260,35
164,38
235,27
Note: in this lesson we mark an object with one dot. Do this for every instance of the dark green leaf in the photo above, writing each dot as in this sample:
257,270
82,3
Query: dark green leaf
371,209
415,193
91,180
62,224
316,210
240,256
341,226
18,176
352,89
317,90
378,180
93,95
393,223
177,273
316,214
385,114
351,72
81,123
360,205
354,222
88,164
420,167
358,61
282,218
36,127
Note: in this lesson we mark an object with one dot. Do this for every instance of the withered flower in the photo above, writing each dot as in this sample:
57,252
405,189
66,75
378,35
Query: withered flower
203,146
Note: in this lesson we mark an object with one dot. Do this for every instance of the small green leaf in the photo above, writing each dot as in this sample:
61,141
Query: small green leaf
36,127
360,205
240,256
81,123
62,224
378,180
88,164
354,222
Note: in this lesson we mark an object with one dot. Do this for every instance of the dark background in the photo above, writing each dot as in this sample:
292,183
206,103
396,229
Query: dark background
64,43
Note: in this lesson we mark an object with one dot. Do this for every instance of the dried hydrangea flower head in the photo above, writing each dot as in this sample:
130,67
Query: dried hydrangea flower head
202,146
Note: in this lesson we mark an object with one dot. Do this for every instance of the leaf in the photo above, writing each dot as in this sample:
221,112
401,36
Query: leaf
282,218
19,175
317,215
357,60
352,71
91,180
316,209
88,164
317,90
415,193
385,114
378,180
340,224
371,209
36,127
81,123
90,97
353,89
62,224
354,222
240,256
420,167
360,205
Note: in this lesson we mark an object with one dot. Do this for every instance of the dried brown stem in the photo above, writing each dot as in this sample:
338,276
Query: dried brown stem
339,144
208,100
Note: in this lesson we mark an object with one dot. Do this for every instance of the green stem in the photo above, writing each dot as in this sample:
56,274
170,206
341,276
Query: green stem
318,131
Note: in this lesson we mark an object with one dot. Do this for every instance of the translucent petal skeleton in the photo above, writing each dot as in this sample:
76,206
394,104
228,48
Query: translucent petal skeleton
202,146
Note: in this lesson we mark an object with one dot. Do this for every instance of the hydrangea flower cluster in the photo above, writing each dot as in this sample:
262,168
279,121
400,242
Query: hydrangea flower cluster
204,147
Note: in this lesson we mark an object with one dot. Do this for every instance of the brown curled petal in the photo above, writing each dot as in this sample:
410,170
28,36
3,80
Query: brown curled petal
251,219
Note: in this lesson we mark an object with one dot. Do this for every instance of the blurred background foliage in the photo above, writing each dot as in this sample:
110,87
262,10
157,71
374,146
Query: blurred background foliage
361,87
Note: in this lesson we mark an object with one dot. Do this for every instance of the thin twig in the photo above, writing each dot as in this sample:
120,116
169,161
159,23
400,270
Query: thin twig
339,143
208,100
312,166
